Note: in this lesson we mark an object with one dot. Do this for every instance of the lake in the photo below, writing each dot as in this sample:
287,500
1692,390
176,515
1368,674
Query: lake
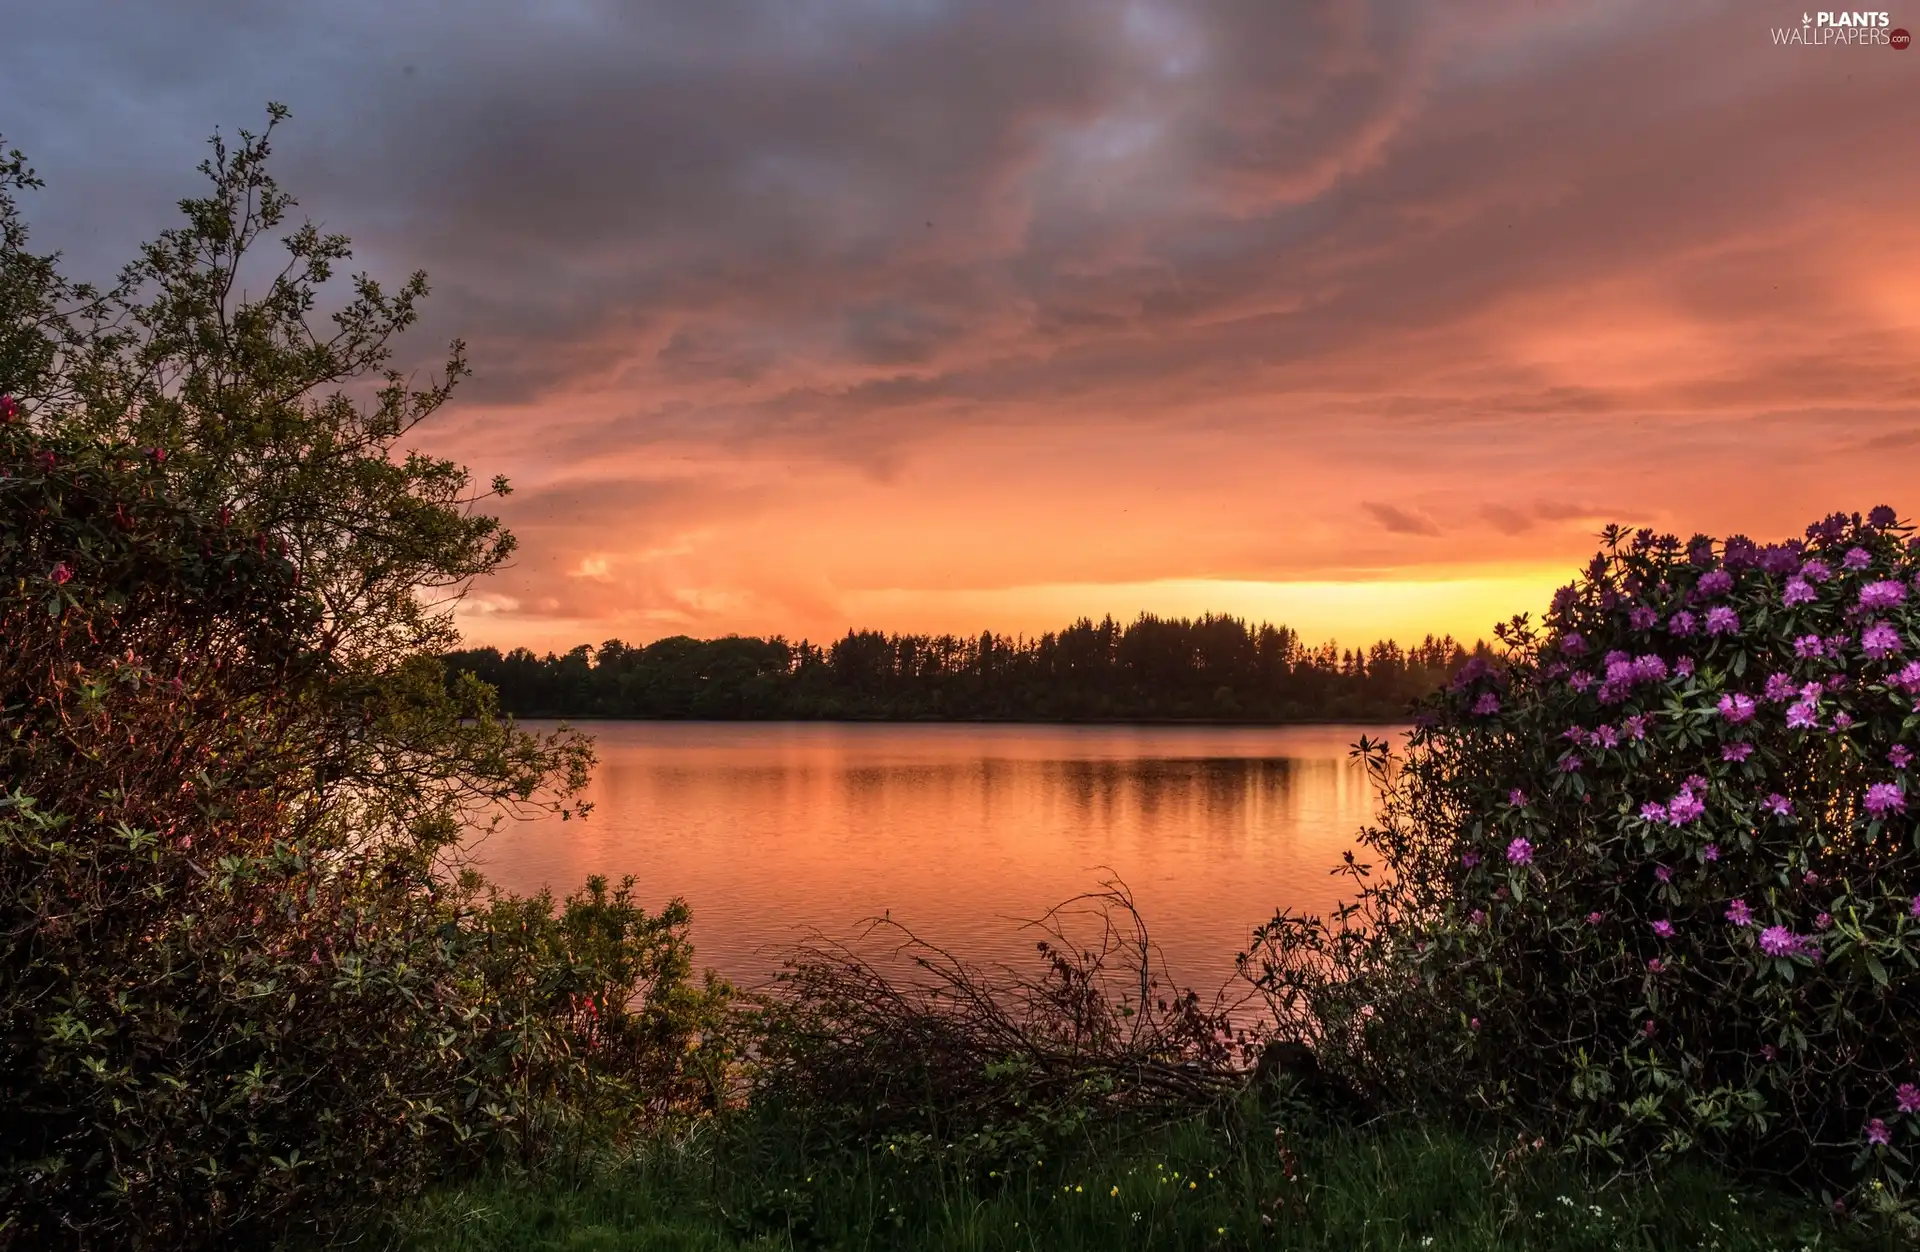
961,831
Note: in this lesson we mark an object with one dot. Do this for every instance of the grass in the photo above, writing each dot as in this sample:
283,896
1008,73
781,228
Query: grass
763,1185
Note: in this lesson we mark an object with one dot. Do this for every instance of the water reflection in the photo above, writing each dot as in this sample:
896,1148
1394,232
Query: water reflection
960,831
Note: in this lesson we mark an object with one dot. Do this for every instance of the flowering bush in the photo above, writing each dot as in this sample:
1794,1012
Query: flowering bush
1652,880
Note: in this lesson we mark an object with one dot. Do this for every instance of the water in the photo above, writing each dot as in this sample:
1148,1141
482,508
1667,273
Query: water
961,831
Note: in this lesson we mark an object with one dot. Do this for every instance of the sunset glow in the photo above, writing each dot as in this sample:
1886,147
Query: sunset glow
1364,318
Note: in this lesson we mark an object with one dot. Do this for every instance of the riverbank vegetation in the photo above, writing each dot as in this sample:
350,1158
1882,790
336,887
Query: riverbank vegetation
1633,956
1216,668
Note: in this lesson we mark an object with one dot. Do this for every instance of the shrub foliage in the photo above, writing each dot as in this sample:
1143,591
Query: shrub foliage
1651,882
241,987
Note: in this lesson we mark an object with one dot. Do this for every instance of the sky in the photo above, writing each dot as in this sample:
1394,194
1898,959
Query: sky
801,315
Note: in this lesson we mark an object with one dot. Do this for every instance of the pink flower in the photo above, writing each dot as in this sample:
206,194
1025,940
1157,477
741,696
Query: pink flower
1594,919
1520,852
1649,1029
1477,917
1662,873
1517,798
1877,1132
1884,798
62,574
1736,707
9,409
1779,941
1823,921
1663,928
1882,595
1655,965
1908,1096
1880,640
1739,914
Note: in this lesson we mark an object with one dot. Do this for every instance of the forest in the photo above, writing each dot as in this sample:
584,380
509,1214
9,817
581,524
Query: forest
1214,668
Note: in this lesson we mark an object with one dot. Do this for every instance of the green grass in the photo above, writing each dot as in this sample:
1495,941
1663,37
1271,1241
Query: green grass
1192,1185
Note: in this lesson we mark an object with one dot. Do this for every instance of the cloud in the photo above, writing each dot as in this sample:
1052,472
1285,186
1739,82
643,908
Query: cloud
776,305
1400,521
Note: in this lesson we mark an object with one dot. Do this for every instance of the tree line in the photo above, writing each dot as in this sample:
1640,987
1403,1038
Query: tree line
1214,668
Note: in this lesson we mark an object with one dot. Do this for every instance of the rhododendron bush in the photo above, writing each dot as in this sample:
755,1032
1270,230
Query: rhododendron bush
1650,881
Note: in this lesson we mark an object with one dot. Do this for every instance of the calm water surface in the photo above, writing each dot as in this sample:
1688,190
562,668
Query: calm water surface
962,831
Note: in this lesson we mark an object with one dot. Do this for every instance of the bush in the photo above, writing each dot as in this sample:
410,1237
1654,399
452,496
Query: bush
221,1010
1649,882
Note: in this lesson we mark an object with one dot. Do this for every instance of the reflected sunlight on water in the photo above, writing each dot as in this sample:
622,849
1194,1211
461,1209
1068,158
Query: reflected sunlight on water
962,831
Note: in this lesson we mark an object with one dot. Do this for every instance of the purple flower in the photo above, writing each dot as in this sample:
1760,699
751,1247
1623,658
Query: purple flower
1581,680
1882,595
1736,752
1663,928
1779,687
1643,617
1570,764
1908,1096
1768,1052
1662,873
1478,917
1722,620
1856,558
1877,1132
1736,707
1620,673
1607,737
1899,756
1915,910
1780,558
1879,640
1884,798
1714,582
1594,919
1810,878
1809,646
1739,914
1798,592
1517,798
1649,668
1683,808
1486,704
1779,805
1815,572
1635,726
1840,722
1881,517
1649,1029
1681,623
1710,853
62,574
1573,643
1520,852
1695,782
1684,667
1656,965
1654,811
1823,921
1779,941
1908,679
1801,715
1469,859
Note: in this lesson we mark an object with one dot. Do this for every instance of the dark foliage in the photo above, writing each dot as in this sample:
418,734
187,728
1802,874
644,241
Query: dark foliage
1213,669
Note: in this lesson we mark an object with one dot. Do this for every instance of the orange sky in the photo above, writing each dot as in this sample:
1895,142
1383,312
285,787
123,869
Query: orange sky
1361,317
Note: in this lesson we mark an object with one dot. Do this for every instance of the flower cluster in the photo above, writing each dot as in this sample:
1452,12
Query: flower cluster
1695,768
